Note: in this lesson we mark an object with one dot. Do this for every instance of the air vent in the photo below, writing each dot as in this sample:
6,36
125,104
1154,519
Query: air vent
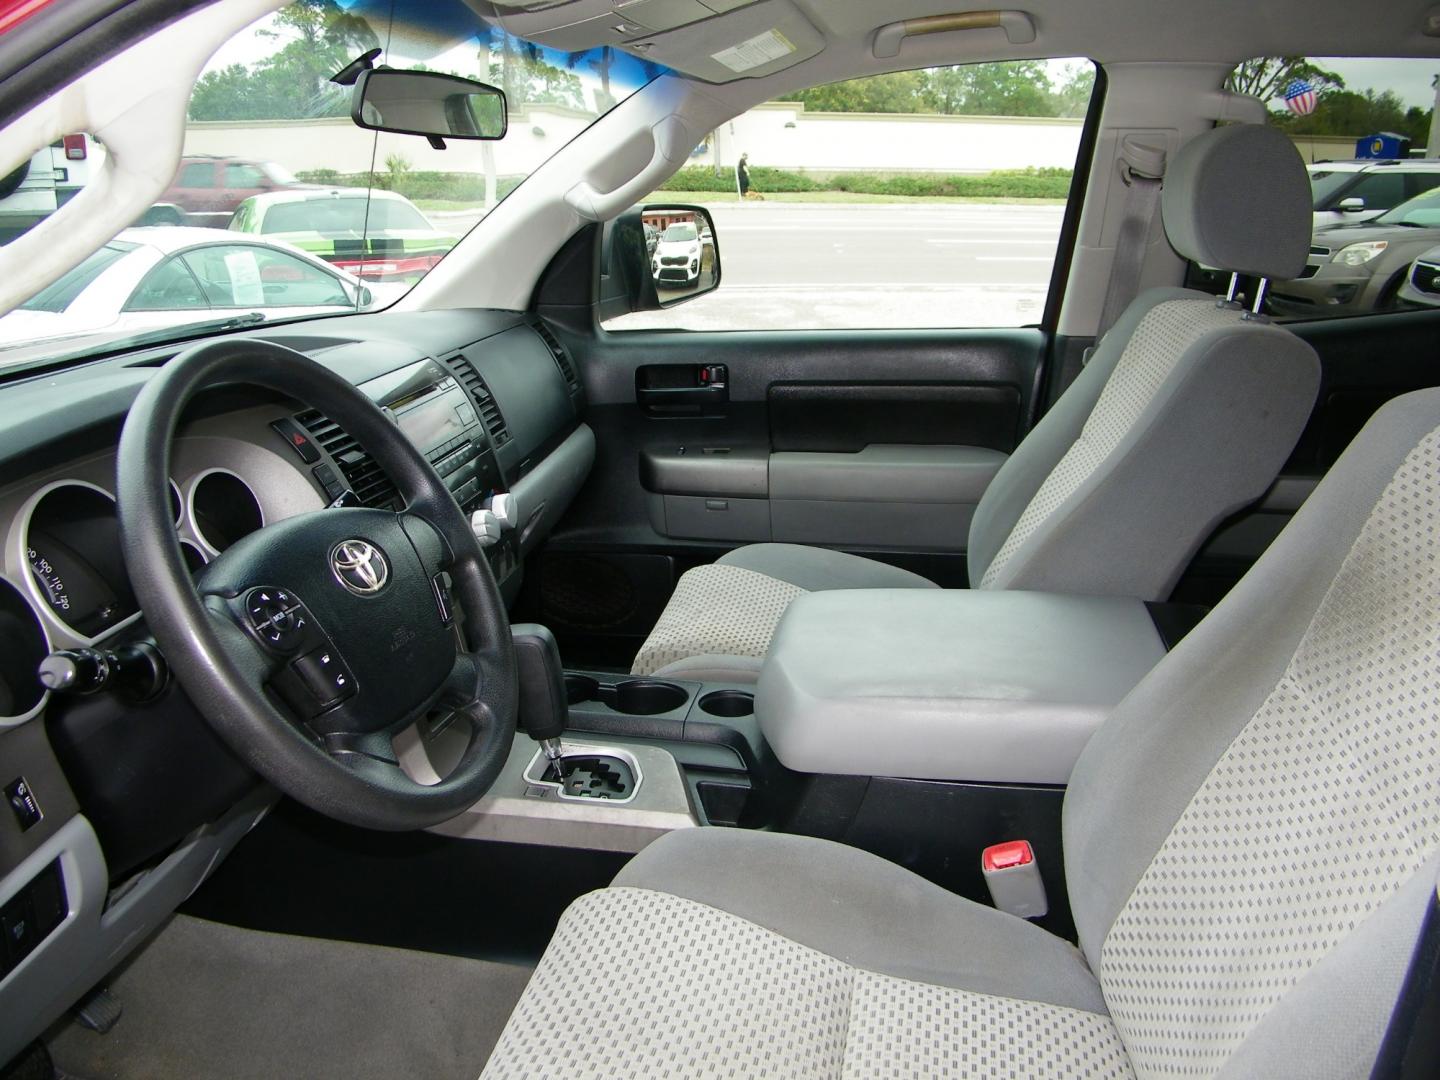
475,386
363,474
561,360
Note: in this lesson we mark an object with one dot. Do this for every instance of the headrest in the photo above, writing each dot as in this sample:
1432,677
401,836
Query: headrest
1238,198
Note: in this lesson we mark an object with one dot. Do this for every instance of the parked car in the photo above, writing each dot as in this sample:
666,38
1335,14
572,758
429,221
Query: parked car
376,235
1358,268
676,259
150,278
1352,191
207,189
1421,286
38,187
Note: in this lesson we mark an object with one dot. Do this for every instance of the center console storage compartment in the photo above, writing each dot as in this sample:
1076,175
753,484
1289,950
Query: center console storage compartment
965,685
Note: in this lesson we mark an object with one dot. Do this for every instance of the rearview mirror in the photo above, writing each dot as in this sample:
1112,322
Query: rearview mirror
1352,205
428,103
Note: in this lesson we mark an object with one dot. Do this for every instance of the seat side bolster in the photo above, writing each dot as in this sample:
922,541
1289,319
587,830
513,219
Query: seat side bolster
866,911
1209,444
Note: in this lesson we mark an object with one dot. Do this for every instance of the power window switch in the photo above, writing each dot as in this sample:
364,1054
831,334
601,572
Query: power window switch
18,927
325,676
1013,877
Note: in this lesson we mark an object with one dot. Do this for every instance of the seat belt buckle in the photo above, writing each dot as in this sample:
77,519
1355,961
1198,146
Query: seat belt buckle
1013,877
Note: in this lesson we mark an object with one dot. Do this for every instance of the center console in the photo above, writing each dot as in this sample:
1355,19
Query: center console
975,685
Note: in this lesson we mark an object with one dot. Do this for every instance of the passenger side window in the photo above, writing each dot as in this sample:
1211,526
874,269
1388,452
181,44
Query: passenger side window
243,176
929,198
1364,128
169,287
247,276
198,174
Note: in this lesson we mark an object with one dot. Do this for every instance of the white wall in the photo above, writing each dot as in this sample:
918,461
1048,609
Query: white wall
785,136
817,142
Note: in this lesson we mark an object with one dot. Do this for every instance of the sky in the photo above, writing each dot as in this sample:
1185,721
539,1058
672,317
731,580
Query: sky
1410,79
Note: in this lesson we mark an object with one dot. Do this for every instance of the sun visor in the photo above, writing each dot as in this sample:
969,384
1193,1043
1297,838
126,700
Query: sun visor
715,40
748,43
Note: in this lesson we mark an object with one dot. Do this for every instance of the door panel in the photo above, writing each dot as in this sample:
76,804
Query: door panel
817,399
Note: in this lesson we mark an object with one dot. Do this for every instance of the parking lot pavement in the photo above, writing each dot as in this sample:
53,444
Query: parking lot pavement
824,266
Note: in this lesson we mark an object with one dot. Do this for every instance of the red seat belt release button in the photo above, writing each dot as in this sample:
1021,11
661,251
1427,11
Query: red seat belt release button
1013,877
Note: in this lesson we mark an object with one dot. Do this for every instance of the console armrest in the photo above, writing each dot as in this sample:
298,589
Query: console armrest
977,685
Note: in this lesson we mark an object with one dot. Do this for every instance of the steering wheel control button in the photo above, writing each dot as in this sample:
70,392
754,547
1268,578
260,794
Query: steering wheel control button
298,439
325,676
22,803
360,566
277,618
441,584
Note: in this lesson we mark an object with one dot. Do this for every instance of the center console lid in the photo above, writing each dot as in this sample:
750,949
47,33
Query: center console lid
970,685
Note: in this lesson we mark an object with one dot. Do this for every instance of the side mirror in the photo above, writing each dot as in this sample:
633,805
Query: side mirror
662,255
1353,205
428,103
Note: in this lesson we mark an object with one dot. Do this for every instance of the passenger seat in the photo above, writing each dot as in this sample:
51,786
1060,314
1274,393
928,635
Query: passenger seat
1184,415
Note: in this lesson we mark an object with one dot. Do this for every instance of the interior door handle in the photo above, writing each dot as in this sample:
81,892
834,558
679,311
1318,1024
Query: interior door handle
682,389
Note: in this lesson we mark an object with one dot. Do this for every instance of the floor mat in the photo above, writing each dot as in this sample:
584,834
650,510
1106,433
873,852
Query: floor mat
208,1000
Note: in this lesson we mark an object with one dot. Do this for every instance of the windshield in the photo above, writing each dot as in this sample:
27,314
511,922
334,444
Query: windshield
1422,211
351,216
271,157
679,232
61,294
1325,185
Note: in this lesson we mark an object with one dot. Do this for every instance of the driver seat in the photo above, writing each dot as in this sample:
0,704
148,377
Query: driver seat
1250,844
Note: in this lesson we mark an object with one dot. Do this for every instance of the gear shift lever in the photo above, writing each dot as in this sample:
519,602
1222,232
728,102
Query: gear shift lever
543,704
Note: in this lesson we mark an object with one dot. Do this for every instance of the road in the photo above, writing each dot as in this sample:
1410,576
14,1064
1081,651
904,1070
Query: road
797,266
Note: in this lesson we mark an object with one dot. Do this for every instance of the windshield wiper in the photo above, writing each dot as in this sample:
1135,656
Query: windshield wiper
188,330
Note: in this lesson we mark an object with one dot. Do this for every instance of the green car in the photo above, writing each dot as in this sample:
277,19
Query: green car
376,235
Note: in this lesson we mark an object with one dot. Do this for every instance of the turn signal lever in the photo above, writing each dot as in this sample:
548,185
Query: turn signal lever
135,671
543,704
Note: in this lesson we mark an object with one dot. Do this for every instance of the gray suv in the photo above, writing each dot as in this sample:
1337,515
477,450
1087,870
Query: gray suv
1353,269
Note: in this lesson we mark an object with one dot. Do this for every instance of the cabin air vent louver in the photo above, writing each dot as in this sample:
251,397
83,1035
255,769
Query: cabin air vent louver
363,474
567,370
485,402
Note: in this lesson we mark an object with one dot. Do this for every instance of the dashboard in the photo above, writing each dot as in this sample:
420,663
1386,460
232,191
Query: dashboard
133,803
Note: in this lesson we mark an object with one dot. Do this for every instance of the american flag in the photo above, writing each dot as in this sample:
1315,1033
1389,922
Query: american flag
1300,97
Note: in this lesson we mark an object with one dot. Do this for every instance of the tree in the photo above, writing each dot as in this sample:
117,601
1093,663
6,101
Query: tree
1012,88
1266,77
897,92
1074,90
1347,112
292,83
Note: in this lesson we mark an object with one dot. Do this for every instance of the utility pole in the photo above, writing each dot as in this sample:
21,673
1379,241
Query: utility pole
1432,148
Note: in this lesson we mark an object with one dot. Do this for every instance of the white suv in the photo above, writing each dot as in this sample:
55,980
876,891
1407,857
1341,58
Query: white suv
1351,191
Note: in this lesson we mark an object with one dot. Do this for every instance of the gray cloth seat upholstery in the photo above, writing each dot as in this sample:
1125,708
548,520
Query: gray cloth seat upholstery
1252,840
1184,415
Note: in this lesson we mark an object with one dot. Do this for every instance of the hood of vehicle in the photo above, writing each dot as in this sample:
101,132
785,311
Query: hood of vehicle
36,326
678,247
1339,236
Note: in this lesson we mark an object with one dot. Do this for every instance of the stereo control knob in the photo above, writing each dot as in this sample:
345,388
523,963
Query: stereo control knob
506,508
486,527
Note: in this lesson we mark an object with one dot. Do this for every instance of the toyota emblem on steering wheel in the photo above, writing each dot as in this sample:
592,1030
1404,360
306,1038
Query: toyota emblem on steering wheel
360,566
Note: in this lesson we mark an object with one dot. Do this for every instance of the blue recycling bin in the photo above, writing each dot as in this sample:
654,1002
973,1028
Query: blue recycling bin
1383,144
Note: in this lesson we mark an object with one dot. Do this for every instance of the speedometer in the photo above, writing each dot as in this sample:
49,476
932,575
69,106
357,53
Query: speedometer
73,548
75,591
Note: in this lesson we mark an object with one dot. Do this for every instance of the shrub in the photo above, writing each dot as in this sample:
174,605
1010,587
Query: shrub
1031,183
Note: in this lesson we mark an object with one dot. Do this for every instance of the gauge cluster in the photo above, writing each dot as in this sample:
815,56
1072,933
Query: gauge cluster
63,582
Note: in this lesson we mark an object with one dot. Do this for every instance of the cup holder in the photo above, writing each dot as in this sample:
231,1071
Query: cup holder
728,703
646,697
580,688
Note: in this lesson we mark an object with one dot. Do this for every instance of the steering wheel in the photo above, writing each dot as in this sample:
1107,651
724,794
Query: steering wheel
309,644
